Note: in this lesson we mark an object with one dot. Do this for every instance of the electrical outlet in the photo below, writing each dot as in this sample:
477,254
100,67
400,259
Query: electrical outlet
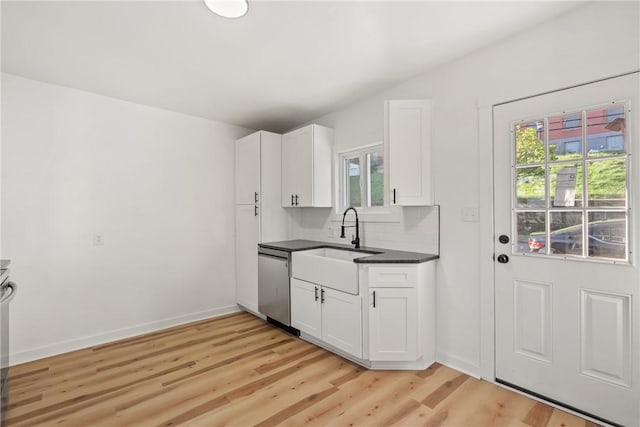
98,239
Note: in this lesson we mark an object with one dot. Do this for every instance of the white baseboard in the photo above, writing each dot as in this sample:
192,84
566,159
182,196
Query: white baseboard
117,334
458,364
251,311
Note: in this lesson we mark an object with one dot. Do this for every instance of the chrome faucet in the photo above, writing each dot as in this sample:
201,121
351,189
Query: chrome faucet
356,240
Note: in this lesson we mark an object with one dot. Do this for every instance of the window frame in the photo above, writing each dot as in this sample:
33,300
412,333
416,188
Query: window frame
379,214
586,208
362,153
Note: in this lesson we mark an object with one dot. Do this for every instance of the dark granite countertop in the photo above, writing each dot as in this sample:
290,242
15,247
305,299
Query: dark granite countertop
378,255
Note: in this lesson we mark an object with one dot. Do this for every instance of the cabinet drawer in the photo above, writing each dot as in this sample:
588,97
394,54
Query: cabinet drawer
393,277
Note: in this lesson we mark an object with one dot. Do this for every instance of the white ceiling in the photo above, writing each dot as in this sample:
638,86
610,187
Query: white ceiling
284,63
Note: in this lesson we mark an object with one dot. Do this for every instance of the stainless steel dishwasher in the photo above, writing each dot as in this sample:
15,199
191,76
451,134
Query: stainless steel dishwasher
273,286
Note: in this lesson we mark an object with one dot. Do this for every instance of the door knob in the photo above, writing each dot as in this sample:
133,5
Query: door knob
503,259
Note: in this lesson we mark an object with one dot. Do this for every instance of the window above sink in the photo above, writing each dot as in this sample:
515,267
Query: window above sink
360,182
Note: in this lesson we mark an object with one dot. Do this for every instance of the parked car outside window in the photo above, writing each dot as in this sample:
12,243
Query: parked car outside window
606,239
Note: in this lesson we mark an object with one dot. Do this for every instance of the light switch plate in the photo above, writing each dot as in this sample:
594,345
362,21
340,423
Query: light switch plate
98,239
470,214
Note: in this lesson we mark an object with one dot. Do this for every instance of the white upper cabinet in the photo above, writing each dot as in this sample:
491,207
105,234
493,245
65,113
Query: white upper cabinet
408,135
306,167
248,169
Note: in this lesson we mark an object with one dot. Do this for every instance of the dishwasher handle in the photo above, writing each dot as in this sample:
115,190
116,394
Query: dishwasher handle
273,256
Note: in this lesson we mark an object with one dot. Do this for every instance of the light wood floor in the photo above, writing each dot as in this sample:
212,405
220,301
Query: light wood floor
240,371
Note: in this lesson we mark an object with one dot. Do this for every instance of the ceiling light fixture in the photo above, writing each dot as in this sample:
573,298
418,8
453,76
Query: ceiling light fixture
228,8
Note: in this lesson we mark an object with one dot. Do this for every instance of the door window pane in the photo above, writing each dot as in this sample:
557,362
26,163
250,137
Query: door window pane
565,235
565,137
566,185
530,187
530,146
605,131
608,235
530,231
607,182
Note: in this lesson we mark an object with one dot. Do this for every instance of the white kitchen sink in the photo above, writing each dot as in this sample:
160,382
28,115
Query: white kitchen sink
333,268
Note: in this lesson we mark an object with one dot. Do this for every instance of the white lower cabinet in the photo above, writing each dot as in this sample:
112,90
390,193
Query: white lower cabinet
342,321
393,324
400,318
326,314
247,237
396,328
306,311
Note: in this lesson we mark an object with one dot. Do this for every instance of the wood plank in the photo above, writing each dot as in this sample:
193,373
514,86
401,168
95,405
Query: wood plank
444,391
539,415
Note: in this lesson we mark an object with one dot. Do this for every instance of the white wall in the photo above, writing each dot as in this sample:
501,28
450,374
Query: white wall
159,187
592,42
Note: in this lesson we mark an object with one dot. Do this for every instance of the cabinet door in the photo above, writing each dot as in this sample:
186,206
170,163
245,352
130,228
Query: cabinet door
297,167
247,232
342,321
306,311
409,137
247,169
393,324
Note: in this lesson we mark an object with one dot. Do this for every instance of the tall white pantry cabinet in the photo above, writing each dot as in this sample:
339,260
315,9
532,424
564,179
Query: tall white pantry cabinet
259,214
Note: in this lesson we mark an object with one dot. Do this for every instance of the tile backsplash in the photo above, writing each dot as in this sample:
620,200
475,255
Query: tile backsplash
416,230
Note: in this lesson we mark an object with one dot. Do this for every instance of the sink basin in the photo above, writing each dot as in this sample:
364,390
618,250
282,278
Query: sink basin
341,254
333,268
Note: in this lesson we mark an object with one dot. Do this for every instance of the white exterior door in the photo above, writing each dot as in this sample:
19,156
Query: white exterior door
566,281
